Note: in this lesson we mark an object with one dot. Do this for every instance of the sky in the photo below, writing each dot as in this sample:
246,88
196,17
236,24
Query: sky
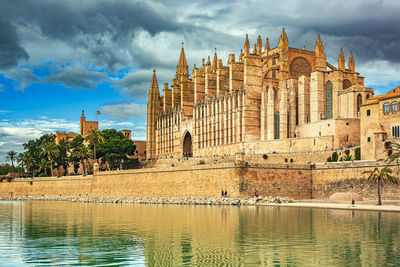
60,57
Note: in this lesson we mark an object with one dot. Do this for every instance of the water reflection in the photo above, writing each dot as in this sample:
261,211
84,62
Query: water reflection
62,233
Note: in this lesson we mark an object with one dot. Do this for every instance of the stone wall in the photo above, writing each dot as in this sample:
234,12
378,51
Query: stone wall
240,179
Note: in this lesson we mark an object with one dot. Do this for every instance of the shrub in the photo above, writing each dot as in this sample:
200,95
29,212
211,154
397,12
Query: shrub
202,162
357,154
329,159
42,175
335,156
347,152
347,158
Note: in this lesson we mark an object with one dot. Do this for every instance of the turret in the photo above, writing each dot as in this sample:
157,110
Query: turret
259,45
283,40
247,46
267,48
320,57
352,64
215,62
341,61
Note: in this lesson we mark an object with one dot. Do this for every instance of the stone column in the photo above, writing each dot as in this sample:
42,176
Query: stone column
304,99
317,96
270,113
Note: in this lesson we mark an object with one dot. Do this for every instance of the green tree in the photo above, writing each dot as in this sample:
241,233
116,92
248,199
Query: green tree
380,177
73,147
11,156
62,159
394,155
50,151
116,149
94,137
43,166
82,153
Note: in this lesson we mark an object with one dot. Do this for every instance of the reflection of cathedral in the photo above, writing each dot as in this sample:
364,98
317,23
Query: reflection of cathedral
279,99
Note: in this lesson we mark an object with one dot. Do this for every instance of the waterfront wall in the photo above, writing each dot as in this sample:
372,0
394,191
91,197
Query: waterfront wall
240,180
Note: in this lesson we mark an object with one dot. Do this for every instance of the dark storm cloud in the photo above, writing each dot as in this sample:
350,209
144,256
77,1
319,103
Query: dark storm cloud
10,50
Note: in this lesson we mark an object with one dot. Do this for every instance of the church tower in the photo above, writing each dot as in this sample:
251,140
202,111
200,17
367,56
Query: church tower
82,122
153,108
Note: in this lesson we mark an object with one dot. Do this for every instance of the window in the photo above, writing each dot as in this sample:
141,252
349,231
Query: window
368,112
386,107
359,102
396,131
277,125
395,106
273,73
369,139
328,100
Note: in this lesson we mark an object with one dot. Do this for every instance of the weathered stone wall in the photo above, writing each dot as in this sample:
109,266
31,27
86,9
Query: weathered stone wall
207,180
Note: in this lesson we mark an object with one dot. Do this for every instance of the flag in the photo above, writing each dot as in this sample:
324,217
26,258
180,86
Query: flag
98,112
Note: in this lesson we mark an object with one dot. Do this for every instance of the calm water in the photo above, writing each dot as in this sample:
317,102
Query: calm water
63,233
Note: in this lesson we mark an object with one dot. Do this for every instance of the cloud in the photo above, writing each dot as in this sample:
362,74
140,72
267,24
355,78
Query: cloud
77,76
10,50
124,111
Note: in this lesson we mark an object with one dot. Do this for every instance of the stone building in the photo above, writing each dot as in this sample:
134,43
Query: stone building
279,99
85,127
380,124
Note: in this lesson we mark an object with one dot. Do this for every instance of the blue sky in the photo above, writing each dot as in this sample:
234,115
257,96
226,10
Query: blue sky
59,57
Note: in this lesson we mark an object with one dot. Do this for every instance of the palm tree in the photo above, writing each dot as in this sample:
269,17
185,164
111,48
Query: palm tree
43,165
94,137
82,153
11,156
380,177
21,162
395,155
50,151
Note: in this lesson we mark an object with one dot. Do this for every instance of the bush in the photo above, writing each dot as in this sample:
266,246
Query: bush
329,159
202,162
335,156
347,152
42,175
357,154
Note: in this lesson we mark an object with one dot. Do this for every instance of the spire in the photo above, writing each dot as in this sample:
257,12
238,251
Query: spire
352,64
83,113
341,60
208,61
319,48
154,87
283,41
241,56
267,48
259,45
255,49
182,67
215,62
246,46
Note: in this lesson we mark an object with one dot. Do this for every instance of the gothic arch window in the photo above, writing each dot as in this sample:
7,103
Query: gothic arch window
359,102
346,84
328,100
386,107
395,106
276,125
367,97
299,66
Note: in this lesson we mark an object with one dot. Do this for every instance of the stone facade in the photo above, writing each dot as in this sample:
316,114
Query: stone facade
265,101
380,125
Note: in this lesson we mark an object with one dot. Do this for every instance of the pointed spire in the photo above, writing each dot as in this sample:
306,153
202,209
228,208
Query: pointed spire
255,49
154,87
319,48
341,60
241,56
208,61
352,64
182,67
203,60
83,113
259,45
267,48
283,41
247,46
215,62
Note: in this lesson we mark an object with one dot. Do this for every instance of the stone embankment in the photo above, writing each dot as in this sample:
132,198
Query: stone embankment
172,201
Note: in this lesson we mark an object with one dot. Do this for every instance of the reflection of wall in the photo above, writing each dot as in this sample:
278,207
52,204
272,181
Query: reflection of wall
105,234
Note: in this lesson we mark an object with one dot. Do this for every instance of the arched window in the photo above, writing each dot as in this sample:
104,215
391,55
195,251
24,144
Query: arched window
359,102
328,100
367,96
386,107
395,106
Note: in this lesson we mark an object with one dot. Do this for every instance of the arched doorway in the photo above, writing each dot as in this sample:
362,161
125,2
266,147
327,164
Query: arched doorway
187,146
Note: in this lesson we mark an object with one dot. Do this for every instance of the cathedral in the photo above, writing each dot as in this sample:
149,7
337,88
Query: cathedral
268,100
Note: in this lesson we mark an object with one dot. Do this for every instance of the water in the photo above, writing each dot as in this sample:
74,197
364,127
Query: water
63,233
